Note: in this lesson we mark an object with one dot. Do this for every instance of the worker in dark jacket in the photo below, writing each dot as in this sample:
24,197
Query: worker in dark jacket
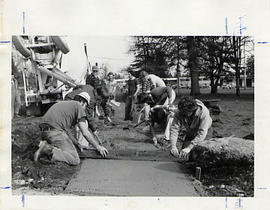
102,93
93,79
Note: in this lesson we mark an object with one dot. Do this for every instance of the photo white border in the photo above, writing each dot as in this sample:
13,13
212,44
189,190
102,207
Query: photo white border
141,17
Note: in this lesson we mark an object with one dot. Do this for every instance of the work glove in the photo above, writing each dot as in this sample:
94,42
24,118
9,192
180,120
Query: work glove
184,154
174,151
103,151
155,140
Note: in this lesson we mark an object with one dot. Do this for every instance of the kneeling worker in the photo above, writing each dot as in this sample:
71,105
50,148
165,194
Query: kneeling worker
190,125
58,143
90,112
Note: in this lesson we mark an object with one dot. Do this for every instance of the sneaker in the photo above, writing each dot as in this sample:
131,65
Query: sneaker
164,142
45,149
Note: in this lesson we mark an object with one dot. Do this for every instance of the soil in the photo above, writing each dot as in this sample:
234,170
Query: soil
236,118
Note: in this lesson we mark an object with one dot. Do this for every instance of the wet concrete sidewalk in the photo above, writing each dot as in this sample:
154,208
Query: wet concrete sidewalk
131,178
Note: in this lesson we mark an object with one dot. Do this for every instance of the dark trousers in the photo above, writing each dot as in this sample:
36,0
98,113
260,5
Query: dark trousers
104,105
129,108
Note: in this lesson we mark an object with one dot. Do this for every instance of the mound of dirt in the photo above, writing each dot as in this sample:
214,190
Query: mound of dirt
227,166
224,151
27,174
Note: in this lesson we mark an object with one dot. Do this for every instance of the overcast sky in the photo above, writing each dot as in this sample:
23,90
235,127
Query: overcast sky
111,50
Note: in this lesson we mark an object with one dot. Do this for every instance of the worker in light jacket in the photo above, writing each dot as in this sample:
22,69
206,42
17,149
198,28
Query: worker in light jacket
190,125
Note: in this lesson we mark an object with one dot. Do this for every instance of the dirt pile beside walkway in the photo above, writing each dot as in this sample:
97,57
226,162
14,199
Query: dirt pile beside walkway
224,151
26,174
227,166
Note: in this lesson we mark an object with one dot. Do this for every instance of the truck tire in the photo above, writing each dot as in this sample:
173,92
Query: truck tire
62,46
18,43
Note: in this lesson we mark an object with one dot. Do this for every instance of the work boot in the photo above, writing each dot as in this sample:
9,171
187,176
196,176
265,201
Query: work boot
45,149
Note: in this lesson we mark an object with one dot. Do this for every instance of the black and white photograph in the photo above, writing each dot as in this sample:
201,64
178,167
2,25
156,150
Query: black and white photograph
132,115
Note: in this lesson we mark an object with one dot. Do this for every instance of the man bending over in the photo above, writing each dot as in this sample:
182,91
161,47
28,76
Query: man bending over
190,125
58,142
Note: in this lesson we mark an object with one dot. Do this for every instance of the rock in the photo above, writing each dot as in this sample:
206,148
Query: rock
216,134
199,188
224,151
19,182
30,180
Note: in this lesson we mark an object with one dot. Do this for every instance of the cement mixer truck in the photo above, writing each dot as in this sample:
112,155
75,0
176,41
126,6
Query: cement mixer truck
42,57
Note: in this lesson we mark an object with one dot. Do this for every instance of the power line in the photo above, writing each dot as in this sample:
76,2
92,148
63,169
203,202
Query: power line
108,58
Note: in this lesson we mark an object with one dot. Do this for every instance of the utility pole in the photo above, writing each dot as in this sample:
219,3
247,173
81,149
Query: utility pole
244,66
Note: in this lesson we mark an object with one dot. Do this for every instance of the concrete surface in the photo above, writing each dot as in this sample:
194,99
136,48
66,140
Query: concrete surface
131,154
131,178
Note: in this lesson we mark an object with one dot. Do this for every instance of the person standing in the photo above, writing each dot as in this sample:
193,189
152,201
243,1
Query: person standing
93,78
111,84
102,93
133,87
58,143
145,86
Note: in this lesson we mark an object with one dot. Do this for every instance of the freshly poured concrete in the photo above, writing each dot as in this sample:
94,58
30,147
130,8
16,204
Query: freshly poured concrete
131,178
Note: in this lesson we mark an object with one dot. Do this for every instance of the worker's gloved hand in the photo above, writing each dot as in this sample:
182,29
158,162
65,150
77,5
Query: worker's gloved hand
95,132
103,151
174,151
154,141
184,154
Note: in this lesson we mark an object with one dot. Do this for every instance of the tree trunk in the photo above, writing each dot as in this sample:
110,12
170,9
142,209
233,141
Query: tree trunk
211,83
193,66
216,85
237,80
237,58
214,89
